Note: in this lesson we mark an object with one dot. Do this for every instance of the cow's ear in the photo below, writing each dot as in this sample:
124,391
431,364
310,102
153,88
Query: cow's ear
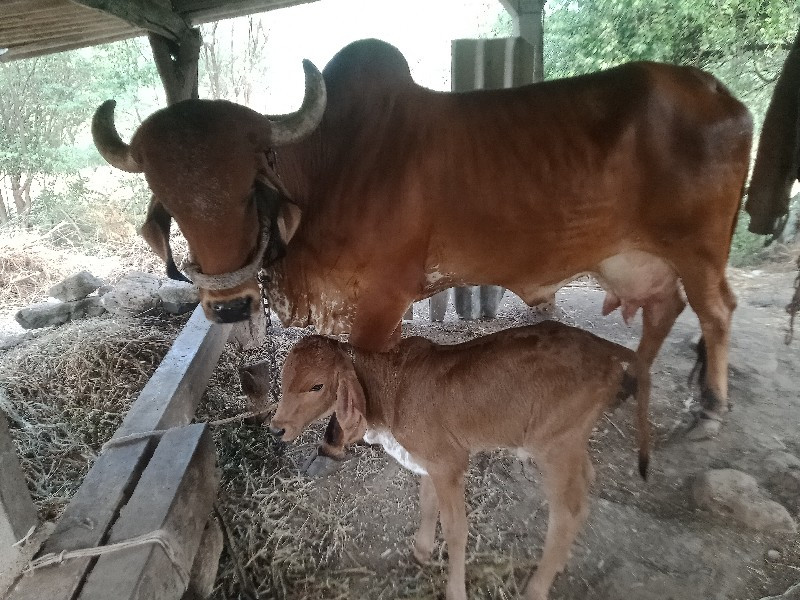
289,215
155,231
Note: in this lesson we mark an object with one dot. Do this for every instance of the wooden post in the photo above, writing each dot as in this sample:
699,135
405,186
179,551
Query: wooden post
174,496
438,306
177,64
490,64
17,511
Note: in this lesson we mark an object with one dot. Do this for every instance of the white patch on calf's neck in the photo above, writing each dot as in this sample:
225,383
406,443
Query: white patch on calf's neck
393,449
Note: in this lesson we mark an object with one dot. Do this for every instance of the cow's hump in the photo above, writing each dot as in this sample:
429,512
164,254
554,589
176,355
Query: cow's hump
365,64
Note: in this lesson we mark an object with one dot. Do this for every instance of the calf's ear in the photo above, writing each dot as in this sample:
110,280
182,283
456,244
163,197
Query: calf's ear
155,231
350,407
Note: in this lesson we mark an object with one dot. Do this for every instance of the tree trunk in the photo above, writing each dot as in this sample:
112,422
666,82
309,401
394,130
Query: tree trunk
17,193
3,210
776,165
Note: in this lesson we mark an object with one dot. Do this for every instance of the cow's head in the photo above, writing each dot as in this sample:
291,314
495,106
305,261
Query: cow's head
206,162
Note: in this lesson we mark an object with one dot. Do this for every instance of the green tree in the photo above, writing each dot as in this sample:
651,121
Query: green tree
46,103
743,42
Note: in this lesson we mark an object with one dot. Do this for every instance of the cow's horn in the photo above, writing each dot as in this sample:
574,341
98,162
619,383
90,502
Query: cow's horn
287,129
111,147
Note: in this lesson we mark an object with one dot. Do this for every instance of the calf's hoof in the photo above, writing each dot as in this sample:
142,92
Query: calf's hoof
422,556
319,465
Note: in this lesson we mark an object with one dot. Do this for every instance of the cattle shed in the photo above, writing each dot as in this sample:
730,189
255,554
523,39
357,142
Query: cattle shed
155,482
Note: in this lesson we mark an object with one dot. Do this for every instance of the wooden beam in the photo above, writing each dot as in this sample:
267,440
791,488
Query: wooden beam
203,11
17,511
167,400
175,496
63,44
150,15
171,396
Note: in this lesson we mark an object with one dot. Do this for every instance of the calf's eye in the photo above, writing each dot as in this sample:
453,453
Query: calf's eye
316,388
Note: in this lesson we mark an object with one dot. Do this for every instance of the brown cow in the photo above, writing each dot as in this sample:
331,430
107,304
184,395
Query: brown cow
634,174
431,406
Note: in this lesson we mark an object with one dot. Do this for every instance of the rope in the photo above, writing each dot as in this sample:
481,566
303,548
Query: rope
133,437
161,537
242,416
225,281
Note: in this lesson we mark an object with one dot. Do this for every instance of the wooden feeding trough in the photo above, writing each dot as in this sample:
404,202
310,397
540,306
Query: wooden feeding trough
135,527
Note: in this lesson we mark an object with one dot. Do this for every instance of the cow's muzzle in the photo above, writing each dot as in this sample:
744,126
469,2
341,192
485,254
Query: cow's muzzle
231,311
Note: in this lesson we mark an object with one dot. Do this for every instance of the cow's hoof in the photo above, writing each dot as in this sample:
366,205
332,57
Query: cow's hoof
319,465
706,426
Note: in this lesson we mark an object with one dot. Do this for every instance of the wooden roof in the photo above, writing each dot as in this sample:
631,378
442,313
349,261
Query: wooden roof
34,27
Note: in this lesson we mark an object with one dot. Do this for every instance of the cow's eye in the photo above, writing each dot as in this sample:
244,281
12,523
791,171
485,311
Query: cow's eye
316,388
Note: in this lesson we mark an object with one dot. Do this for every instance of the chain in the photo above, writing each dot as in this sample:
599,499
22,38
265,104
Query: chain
263,281
794,306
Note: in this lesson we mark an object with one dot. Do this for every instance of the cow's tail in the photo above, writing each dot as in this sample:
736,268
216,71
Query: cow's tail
642,413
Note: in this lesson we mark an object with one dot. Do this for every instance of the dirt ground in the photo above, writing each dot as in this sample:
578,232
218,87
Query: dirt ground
348,535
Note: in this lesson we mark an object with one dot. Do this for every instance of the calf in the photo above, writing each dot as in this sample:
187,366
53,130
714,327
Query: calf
538,390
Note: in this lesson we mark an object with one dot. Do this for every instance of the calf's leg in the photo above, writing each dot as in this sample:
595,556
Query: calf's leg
429,515
566,479
449,485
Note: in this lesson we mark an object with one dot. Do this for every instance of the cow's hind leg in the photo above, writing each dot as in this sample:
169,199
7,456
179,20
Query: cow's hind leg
567,472
713,301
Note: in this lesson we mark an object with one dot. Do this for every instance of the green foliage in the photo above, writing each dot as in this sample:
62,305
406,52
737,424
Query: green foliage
85,216
745,246
742,42
46,104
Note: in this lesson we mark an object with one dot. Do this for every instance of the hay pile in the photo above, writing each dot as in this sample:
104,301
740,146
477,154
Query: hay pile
67,390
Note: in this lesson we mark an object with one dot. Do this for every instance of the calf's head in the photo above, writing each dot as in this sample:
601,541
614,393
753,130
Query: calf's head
319,379
206,162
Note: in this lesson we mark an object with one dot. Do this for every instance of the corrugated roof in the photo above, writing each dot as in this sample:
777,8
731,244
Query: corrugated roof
34,27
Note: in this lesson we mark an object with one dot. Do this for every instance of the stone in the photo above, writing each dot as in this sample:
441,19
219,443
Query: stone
793,593
782,471
75,287
773,555
48,314
178,297
136,293
88,307
43,314
733,494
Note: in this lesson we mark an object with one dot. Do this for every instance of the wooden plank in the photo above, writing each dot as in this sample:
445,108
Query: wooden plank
150,15
175,495
167,400
63,44
85,522
56,33
17,511
203,11
182,377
